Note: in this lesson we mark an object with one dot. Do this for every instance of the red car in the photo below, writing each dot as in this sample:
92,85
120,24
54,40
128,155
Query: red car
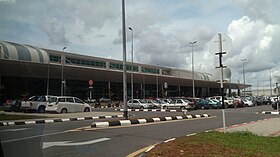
238,102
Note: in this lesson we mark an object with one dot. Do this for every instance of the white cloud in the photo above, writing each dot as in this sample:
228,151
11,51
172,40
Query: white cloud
162,30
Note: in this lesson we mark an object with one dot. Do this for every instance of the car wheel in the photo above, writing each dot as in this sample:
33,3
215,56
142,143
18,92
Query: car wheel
182,107
41,109
64,110
86,109
202,107
142,107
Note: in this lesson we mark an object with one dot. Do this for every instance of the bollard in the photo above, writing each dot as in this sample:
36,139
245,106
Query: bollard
224,120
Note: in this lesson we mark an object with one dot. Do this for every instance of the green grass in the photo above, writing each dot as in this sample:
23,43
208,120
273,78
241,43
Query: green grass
4,117
220,144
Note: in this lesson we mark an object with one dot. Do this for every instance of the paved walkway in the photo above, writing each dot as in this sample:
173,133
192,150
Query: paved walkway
266,127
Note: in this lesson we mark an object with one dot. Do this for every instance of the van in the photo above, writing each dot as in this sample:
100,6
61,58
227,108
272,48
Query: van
65,104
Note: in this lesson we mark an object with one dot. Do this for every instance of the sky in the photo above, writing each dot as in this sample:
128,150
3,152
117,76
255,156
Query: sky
162,32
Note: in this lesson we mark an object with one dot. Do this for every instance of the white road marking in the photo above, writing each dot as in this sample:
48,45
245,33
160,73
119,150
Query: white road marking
30,137
67,143
14,129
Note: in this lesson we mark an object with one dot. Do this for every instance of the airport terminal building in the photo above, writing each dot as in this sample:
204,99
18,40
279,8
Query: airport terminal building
26,70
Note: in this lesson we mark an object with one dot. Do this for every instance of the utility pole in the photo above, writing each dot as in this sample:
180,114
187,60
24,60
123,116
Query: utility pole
124,61
221,66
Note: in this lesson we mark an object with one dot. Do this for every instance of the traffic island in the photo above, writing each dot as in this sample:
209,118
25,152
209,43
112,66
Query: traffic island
144,120
216,144
44,121
151,110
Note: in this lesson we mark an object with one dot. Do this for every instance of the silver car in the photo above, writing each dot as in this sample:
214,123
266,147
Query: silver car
139,103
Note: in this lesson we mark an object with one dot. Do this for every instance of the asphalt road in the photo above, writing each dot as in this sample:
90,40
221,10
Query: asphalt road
74,139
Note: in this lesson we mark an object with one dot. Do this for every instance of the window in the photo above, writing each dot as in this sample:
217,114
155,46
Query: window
34,98
54,58
61,99
116,66
179,101
42,98
70,100
150,70
51,99
78,101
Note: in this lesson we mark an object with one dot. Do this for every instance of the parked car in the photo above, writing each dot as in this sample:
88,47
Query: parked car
65,104
37,103
238,102
139,103
266,101
248,102
274,104
257,101
103,99
161,102
193,100
180,103
12,105
202,104
227,101
214,104
155,103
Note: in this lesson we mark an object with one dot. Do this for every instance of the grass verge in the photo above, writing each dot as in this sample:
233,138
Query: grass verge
219,144
4,117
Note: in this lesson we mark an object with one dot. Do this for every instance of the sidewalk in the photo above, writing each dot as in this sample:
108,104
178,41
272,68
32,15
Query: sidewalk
266,127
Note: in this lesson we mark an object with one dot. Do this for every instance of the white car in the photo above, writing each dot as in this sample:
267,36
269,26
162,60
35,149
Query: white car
248,102
228,101
65,104
37,103
139,103
179,103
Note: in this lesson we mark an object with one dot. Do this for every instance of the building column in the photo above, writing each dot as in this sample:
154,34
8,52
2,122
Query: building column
179,88
109,89
141,88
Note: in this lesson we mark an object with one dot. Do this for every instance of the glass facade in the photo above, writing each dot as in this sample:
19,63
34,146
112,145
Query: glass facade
116,66
150,70
88,63
54,58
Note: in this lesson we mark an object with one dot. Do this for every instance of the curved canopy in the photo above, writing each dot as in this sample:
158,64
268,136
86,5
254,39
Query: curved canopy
14,51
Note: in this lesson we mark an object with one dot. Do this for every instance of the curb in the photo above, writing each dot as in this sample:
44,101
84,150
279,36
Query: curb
141,121
166,141
241,124
106,107
151,110
270,112
55,120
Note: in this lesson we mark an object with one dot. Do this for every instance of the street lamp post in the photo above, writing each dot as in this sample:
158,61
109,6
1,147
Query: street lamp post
62,65
192,43
157,79
131,63
124,61
243,60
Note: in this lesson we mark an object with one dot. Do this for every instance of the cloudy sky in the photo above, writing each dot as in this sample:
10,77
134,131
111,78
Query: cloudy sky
162,31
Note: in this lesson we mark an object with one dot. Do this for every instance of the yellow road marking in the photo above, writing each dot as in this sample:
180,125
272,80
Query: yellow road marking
140,151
